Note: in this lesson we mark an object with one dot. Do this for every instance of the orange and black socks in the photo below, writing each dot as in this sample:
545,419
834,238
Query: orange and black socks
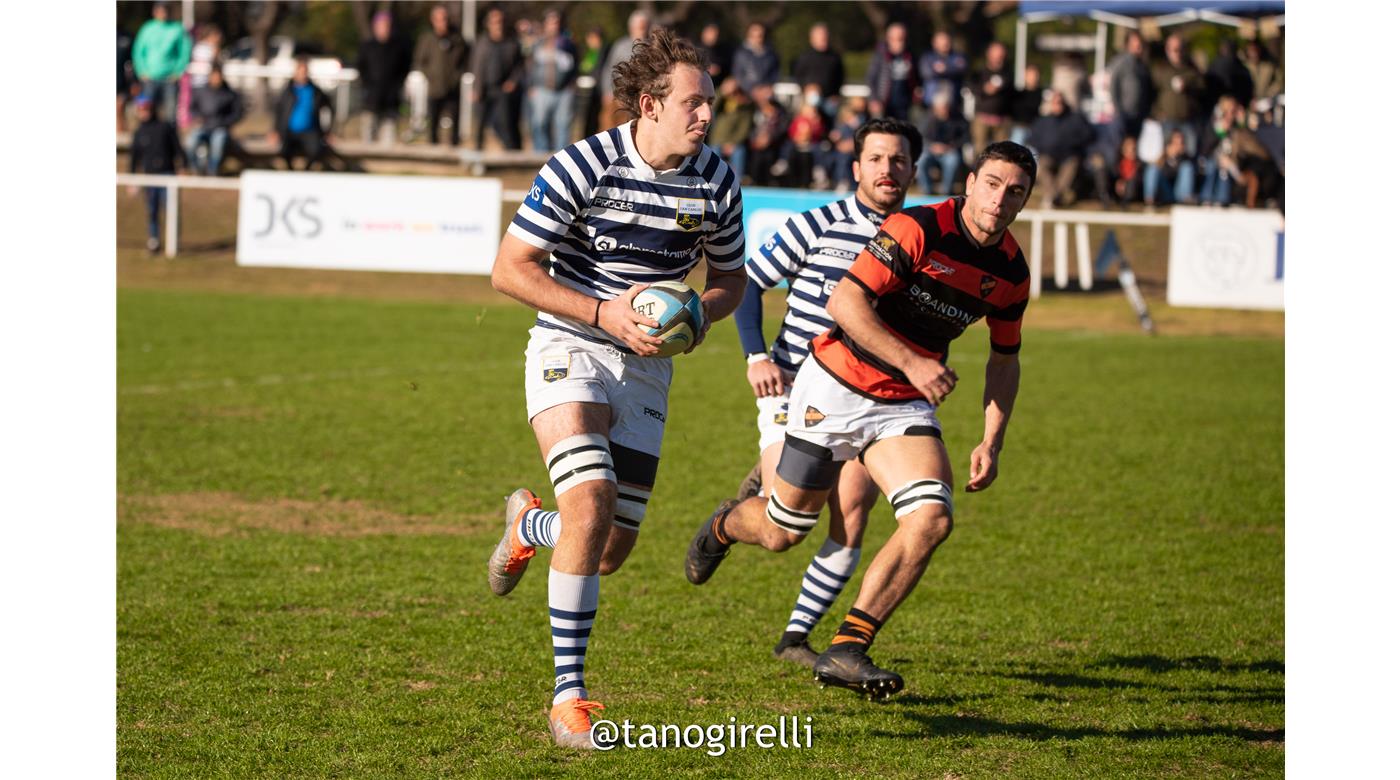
859,627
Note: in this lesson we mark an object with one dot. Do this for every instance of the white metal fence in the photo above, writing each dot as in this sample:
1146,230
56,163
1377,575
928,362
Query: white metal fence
1060,221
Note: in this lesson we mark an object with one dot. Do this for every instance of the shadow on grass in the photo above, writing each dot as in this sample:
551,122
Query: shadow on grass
1209,663
975,726
1214,692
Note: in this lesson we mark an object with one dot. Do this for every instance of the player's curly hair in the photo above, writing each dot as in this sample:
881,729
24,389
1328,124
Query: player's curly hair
648,71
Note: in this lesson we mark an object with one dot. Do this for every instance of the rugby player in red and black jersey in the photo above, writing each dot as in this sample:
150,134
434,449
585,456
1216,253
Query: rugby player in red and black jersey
872,390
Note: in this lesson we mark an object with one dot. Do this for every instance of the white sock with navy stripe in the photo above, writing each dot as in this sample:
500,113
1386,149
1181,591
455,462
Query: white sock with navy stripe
538,528
573,602
827,574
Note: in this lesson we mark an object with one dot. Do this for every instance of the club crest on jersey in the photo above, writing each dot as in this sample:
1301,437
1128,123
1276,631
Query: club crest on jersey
780,417
689,212
812,416
988,284
556,367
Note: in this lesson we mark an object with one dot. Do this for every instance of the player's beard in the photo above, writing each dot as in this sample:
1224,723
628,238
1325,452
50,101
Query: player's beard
887,200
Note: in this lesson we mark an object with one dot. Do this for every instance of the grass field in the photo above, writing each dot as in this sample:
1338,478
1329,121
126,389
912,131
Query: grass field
309,486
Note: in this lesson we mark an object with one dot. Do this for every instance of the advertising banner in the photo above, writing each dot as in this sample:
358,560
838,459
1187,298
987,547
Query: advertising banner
1226,258
361,222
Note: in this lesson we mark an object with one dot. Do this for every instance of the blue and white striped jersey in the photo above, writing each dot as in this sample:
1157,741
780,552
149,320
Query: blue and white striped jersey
610,221
812,250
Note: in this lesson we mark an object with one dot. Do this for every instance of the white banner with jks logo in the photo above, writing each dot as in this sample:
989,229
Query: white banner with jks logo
1226,258
362,222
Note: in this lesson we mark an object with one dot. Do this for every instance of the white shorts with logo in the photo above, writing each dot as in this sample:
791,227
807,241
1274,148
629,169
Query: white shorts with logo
826,413
562,368
773,416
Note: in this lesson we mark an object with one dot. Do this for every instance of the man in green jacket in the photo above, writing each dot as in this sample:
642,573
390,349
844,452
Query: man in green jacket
159,56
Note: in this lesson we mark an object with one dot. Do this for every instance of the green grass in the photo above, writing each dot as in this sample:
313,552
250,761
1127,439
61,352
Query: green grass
309,489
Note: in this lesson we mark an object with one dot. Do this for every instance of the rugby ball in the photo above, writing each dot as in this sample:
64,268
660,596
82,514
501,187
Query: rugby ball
677,308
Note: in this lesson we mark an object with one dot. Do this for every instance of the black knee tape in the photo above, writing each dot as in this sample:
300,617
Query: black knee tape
636,473
807,465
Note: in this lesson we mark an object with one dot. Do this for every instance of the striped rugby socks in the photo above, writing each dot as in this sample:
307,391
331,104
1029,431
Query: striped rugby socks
831,568
573,603
538,528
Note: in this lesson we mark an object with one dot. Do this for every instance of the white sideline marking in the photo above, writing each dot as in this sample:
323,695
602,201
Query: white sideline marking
289,379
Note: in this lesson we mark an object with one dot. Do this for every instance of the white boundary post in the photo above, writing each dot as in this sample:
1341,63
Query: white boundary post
1086,271
172,217
1037,255
1061,255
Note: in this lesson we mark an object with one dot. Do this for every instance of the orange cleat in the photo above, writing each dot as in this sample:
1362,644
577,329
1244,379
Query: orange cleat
572,725
508,561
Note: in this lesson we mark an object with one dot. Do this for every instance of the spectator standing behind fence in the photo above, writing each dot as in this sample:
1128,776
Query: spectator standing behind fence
441,56
1227,75
755,62
1070,78
993,92
124,80
945,134
732,125
718,53
553,67
1178,87
1060,137
821,66
1264,73
1130,86
160,55
384,61
215,109
499,69
155,149
1025,105
299,129
891,76
204,56
638,25
591,64
942,70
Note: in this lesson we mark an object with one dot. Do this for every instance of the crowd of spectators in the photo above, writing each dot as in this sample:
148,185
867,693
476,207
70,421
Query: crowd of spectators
1162,130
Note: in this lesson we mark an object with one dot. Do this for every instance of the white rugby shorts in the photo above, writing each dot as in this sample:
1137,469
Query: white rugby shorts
562,368
772,418
826,413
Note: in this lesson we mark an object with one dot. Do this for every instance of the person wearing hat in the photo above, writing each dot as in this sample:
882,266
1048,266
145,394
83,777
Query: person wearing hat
383,62
155,149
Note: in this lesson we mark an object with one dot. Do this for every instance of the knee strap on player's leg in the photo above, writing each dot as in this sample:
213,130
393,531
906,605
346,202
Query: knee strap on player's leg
636,474
791,520
579,459
920,492
807,465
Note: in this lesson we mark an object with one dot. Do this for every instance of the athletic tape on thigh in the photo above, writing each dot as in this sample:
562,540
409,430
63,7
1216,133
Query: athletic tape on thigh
580,459
790,519
920,492
807,465
636,474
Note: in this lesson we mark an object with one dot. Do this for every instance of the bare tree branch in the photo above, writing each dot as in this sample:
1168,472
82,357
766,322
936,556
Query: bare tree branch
878,16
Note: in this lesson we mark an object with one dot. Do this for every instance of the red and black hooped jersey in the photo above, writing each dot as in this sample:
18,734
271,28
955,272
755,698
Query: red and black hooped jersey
930,281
